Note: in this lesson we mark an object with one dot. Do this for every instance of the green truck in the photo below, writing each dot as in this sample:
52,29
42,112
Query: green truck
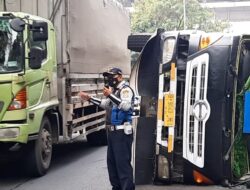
48,54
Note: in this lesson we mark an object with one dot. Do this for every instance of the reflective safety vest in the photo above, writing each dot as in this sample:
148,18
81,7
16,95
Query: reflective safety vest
119,116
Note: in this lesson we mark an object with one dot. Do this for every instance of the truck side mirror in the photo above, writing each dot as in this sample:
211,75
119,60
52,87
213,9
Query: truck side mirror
39,31
36,57
17,24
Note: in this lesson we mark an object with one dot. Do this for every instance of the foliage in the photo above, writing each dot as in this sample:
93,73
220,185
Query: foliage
240,152
168,14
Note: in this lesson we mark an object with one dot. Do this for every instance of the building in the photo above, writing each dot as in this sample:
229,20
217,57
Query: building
236,12
126,3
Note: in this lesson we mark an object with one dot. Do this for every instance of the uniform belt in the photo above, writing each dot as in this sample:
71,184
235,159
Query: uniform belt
115,127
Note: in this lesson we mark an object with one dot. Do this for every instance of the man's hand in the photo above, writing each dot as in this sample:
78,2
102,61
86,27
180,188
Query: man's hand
84,95
107,91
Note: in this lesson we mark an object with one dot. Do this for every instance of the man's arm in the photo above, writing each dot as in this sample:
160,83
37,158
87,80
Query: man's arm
125,101
103,103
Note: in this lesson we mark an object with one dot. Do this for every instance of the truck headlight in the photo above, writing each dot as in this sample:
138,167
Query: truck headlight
163,167
9,133
168,49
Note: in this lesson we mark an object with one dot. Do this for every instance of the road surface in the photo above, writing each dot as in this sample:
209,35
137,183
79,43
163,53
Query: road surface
75,166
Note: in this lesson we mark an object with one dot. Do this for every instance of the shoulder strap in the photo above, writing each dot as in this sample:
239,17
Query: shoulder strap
125,85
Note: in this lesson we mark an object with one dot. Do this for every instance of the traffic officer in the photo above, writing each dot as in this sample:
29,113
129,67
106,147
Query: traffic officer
119,96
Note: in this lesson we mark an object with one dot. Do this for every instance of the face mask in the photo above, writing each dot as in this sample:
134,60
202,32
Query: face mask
111,81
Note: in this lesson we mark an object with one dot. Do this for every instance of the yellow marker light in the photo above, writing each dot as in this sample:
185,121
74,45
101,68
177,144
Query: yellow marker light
205,42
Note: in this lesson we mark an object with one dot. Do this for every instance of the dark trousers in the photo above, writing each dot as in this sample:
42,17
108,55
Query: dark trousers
119,160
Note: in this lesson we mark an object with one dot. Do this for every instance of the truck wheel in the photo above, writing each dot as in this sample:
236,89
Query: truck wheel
136,42
98,138
41,150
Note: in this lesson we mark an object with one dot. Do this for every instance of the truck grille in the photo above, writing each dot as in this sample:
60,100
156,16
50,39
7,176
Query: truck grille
192,100
197,110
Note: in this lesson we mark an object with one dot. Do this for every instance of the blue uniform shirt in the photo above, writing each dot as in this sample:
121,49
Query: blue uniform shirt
121,102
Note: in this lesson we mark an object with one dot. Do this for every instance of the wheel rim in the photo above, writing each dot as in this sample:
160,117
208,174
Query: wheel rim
46,147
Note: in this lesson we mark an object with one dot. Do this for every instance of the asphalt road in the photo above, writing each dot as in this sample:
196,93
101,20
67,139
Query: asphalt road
75,166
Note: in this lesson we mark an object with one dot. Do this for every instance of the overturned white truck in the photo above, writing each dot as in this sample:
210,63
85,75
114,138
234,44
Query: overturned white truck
194,124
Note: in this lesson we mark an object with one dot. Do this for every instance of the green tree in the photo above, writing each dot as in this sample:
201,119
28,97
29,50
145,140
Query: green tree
168,14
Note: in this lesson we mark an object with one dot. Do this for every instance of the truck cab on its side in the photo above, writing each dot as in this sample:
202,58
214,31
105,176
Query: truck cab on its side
192,108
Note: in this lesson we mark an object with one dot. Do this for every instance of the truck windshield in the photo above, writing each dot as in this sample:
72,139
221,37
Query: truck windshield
10,48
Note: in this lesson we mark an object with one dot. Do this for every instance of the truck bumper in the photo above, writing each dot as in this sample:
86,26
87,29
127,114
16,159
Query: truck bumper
14,133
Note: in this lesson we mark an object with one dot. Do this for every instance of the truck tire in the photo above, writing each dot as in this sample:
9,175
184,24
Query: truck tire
98,138
136,42
40,152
